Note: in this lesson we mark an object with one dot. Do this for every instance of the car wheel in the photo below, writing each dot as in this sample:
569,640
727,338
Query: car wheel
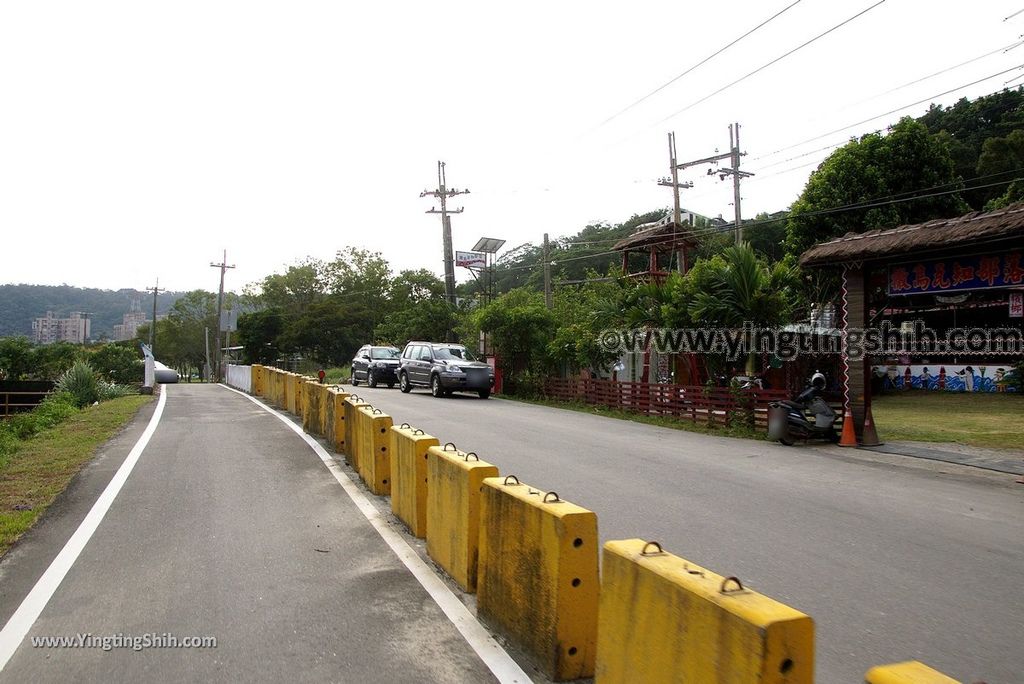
355,383
435,386
787,441
371,381
485,393
403,383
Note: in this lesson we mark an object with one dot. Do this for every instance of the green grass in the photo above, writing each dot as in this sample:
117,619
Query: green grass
43,465
976,419
661,421
337,375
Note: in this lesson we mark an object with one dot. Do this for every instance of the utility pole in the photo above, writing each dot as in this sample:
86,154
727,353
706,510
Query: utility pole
443,193
547,272
733,155
673,182
223,266
152,328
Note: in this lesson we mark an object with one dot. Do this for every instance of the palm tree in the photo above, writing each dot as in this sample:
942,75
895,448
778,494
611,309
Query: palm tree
737,287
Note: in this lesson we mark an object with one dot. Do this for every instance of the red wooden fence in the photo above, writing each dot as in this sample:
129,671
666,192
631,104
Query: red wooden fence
716,406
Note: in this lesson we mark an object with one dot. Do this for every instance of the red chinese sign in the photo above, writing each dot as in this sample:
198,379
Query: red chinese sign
956,273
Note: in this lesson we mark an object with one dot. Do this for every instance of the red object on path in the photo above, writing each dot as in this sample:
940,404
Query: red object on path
321,374
849,438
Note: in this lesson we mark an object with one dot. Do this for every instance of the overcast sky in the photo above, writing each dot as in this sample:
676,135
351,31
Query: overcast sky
139,139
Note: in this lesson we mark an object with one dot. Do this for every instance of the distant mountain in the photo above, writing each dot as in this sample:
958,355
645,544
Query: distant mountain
20,304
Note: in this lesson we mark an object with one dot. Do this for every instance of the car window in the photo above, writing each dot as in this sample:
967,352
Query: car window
448,353
408,352
425,354
383,353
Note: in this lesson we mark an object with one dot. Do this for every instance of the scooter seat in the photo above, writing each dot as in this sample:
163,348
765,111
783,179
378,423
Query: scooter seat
792,404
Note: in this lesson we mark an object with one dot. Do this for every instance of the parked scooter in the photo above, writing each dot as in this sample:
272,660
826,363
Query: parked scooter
806,417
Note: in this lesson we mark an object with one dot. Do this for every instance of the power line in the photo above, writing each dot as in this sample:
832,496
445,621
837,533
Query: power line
890,112
701,63
886,200
774,61
1005,48
794,158
887,92
1013,15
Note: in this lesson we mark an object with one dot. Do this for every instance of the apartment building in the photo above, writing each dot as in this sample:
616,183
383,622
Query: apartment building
76,328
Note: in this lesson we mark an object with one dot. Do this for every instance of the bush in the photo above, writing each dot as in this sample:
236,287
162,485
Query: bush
117,362
81,383
1015,378
53,411
112,390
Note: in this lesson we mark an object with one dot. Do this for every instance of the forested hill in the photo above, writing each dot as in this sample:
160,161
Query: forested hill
20,304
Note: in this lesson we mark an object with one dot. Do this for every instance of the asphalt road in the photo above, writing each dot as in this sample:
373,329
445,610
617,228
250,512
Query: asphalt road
229,526
895,558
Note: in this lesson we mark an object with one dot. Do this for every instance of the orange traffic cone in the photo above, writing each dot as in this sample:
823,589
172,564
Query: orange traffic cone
849,437
870,434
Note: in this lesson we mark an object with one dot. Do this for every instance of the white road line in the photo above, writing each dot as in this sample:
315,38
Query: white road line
500,663
28,612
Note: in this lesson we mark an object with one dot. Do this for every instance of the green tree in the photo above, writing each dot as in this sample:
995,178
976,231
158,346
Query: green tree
181,337
419,310
871,171
16,358
119,362
295,290
325,332
1005,157
363,279
521,327
967,125
737,287
582,314
259,332
49,361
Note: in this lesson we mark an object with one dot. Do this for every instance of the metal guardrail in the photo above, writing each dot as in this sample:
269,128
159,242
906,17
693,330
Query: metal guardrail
12,402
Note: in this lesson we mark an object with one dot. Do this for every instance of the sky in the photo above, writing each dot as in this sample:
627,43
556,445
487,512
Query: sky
139,140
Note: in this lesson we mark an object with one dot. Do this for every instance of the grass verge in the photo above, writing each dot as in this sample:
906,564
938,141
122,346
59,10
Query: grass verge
989,420
742,432
43,465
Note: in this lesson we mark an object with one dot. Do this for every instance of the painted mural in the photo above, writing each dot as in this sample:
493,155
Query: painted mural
987,377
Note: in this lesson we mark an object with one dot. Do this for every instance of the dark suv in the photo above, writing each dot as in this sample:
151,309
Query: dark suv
444,368
375,364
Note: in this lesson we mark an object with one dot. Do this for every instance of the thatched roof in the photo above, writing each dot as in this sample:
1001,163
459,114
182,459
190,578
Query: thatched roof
659,233
941,234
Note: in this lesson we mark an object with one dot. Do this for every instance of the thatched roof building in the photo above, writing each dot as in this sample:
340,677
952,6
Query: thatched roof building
974,229
664,234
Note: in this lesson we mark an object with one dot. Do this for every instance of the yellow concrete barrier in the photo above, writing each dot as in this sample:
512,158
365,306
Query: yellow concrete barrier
280,391
352,404
322,399
538,581
373,455
663,619
256,380
409,476
292,382
277,388
454,479
334,419
910,672
311,404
